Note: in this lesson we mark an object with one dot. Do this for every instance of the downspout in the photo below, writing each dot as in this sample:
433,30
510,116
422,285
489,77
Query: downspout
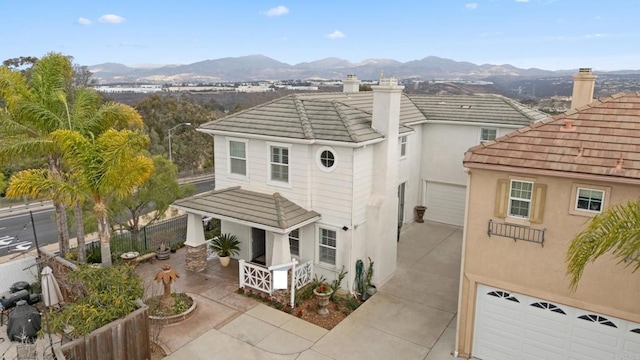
460,285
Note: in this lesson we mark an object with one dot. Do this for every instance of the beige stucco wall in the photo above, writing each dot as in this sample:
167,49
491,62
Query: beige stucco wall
528,268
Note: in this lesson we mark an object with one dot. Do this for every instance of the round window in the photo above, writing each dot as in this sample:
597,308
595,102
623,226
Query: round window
326,159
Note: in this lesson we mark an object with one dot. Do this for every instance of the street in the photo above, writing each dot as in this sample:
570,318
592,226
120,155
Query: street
16,233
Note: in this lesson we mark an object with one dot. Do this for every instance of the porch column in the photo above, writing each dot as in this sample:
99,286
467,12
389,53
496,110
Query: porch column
196,256
280,253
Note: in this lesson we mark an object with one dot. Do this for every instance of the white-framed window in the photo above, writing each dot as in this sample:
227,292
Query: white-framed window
520,195
327,246
403,146
294,242
279,163
326,159
238,157
589,199
487,134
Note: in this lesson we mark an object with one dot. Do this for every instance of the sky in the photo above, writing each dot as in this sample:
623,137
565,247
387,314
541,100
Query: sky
546,34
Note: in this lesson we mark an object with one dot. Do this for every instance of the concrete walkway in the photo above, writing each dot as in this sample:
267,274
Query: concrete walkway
411,317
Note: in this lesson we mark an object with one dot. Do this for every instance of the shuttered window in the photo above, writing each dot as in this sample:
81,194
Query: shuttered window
327,246
279,163
520,199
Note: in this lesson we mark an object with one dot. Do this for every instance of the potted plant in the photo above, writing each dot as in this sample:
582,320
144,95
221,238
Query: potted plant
163,252
323,293
225,245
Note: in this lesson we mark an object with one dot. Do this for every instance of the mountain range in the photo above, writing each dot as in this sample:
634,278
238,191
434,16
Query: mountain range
260,67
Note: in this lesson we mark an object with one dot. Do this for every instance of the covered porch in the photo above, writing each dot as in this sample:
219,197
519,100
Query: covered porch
262,223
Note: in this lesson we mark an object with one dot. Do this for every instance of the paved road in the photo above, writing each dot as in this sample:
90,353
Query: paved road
16,233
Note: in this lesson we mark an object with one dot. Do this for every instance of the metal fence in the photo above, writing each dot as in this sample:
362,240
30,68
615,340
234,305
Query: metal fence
149,238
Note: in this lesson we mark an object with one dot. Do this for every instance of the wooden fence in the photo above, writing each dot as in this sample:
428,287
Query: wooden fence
123,339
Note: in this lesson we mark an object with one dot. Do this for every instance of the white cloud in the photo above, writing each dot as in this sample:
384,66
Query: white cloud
277,11
111,19
336,35
83,21
471,6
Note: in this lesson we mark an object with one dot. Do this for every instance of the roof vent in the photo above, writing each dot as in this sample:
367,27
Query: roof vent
465,106
620,163
568,125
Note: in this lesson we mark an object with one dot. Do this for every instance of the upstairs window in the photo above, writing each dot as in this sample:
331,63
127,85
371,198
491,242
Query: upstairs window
487,134
238,157
279,163
294,242
589,199
403,146
520,199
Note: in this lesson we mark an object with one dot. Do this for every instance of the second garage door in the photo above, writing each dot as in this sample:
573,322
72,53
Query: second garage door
512,326
445,203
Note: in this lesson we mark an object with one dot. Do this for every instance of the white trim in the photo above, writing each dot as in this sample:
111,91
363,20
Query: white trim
293,140
576,208
482,141
530,200
319,160
322,264
471,123
270,181
246,158
403,142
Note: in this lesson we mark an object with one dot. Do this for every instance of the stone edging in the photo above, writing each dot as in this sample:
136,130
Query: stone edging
167,320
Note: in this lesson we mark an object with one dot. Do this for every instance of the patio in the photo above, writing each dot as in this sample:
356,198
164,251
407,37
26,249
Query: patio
213,289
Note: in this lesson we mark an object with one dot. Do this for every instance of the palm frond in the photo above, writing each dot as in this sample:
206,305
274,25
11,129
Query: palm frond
615,231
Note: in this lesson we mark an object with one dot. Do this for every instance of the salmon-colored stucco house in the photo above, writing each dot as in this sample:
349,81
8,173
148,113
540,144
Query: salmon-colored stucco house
529,193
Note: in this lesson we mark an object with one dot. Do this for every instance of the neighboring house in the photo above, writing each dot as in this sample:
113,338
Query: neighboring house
530,193
332,177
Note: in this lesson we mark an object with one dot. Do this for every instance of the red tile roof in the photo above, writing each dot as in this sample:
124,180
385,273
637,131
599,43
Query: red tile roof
603,140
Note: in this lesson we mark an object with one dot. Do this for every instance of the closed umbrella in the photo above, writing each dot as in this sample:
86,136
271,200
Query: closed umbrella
51,294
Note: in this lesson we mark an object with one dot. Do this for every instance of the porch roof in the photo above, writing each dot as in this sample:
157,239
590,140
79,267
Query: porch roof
257,209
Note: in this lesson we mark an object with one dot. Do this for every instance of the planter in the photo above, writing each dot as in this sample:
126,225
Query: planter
163,254
369,293
323,302
224,260
420,213
172,319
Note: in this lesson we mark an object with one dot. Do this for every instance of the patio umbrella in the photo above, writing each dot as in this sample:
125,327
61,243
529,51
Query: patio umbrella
51,294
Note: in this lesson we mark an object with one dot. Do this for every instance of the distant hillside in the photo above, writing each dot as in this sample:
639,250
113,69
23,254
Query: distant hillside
259,67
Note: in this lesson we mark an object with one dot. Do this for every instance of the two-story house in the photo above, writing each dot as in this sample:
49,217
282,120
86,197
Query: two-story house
530,193
331,177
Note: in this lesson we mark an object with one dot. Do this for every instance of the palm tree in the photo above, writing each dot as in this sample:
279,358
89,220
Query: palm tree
32,110
615,231
109,166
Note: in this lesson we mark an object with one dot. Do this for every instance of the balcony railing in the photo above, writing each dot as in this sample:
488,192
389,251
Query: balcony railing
516,232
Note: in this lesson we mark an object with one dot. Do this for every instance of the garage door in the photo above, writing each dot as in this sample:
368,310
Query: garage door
513,326
445,203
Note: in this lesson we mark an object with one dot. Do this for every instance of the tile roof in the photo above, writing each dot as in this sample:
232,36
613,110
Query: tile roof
271,210
346,117
493,109
604,141
302,118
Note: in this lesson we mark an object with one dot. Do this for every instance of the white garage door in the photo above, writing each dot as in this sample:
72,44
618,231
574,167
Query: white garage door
445,203
513,326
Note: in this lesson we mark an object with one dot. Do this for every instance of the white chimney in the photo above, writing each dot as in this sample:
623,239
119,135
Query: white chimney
351,84
584,82
382,210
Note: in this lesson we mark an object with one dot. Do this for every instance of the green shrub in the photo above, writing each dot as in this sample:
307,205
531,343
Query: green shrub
104,295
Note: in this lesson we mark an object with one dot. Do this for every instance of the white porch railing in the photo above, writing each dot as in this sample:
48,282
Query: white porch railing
304,273
261,278
255,276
